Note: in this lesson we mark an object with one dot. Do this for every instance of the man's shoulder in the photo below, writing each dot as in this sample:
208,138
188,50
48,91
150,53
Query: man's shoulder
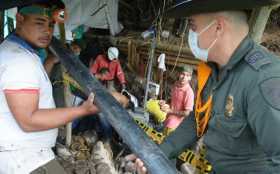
259,58
261,66
12,52
100,57
265,75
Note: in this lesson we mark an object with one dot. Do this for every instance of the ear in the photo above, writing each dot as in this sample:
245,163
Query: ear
19,18
220,26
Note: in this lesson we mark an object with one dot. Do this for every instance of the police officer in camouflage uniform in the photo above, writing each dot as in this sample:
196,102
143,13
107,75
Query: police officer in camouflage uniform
241,136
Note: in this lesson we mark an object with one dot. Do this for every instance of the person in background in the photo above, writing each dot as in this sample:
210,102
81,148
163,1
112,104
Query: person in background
75,46
182,101
27,108
107,68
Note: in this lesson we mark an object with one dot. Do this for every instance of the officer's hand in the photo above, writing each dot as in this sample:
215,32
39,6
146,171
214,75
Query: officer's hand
138,165
88,105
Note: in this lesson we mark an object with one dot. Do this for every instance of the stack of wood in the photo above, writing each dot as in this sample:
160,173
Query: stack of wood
138,52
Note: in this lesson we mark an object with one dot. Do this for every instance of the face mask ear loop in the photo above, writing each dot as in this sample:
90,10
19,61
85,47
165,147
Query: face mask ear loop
207,27
213,43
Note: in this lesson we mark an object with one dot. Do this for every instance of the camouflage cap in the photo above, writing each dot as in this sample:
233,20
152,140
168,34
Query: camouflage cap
185,68
34,9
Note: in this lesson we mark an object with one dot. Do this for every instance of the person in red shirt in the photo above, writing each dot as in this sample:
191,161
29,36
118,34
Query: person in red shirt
182,101
108,68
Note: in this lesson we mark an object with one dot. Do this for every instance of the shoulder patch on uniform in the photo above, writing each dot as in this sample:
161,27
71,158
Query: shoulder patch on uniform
270,90
257,59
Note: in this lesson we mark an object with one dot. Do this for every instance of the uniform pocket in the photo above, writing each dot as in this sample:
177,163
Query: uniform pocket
229,126
229,135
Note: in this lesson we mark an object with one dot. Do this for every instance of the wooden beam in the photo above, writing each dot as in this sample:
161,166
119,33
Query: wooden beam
1,25
258,21
61,27
68,98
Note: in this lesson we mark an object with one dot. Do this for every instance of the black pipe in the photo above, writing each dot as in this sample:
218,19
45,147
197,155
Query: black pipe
155,160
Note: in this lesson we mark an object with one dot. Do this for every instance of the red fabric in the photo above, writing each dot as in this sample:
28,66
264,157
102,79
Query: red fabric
114,67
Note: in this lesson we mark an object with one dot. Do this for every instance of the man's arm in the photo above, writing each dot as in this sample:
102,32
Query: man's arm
96,64
188,105
184,113
183,137
264,118
50,62
24,107
120,73
166,108
112,73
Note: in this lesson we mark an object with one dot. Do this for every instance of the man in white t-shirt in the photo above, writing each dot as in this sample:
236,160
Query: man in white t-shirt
28,118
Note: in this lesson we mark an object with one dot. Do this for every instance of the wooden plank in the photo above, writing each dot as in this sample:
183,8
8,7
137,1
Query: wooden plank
68,98
129,56
1,25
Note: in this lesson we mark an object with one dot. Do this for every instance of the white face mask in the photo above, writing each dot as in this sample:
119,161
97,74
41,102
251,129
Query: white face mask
199,53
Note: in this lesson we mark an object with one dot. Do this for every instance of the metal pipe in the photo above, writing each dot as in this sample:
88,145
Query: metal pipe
154,159
150,67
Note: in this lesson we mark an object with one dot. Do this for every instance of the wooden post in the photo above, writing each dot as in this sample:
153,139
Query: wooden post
69,98
258,22
69,101
1,25
10,23
62,32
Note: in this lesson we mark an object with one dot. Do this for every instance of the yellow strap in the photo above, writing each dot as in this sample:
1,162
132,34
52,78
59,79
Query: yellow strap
156,136
202,110
196,161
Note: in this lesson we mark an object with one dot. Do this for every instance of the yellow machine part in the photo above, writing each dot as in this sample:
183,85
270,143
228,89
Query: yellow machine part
152,106
197,161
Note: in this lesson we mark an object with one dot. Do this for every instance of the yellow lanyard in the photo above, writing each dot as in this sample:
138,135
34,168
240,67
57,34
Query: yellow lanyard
202,110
